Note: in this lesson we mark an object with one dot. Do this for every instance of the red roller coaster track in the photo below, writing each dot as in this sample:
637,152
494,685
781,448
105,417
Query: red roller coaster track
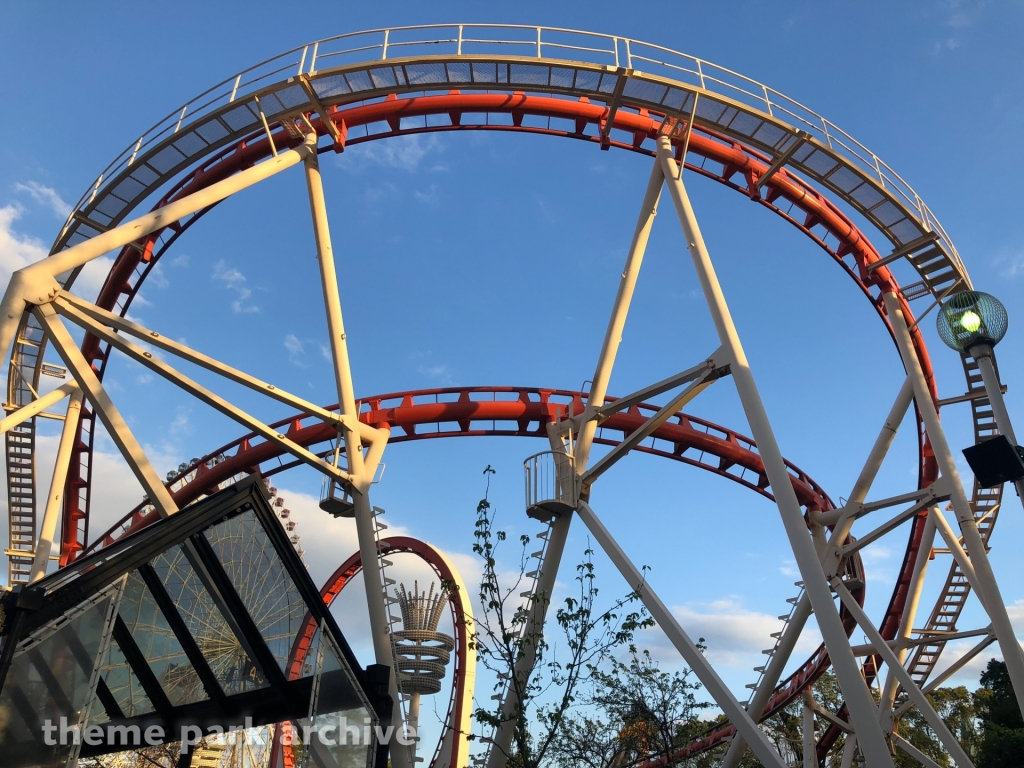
524,412
714,156
461,698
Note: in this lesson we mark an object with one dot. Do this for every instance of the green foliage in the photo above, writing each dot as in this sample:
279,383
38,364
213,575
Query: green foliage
1002,739
635,711
510,630
784,729
956,708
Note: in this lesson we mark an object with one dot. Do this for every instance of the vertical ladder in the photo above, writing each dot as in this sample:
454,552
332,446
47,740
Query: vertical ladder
20,444
530,595
394,622
985,505
770,652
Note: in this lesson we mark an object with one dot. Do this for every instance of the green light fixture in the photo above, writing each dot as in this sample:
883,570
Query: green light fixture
971,318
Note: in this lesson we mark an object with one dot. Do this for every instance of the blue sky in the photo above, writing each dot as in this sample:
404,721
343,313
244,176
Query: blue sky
478,259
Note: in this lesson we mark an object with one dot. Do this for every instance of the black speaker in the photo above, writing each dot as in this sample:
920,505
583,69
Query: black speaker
995,461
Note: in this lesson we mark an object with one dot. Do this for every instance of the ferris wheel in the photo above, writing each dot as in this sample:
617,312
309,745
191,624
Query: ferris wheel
278,613
677,114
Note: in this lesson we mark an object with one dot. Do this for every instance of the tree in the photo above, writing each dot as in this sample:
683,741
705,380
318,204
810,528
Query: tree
1002,741
505,630
635,711
956,707
784,729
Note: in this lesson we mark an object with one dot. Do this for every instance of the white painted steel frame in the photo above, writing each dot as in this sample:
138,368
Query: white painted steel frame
987,586
36,285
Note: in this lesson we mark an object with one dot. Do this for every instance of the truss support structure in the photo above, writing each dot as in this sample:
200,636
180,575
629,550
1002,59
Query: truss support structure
863,713
501,741
892,682
360,469
105,409
973,544
36,283
949,742
714,685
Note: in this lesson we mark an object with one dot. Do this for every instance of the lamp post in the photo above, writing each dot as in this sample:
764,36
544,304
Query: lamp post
974,322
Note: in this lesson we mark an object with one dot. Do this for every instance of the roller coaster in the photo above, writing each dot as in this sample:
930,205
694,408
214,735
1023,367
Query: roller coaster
685,119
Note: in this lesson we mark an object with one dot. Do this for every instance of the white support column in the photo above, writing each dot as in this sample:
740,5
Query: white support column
104,407
990,596
620,310
831,562
863,713
36,407
48,528
888,697
36,283
364,516
849,751
499,749
949,742
810,744
983,354
715,686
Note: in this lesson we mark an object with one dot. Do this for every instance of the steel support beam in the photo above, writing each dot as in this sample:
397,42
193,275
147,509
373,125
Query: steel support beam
37,406
949,742
953,668
37,282
714,685
889,689
772,673
617,320
990,595
809,743
366,523
985,357
666,412
498,752
106,410
161,342
158,366
55,499
863,713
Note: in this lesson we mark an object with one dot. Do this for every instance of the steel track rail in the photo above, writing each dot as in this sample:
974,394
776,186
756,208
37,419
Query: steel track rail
728,104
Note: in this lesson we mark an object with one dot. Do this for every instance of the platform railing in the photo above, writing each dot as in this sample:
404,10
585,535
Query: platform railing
523,42
552,485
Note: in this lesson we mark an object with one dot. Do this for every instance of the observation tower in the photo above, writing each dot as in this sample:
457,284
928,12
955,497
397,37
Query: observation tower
76,643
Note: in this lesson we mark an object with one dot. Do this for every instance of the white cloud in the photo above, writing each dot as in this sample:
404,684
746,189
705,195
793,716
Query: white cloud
157,277
181,260
430,197
435,372
735,635
294,345
16,251
45,196
403,152
1013,265
235,281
